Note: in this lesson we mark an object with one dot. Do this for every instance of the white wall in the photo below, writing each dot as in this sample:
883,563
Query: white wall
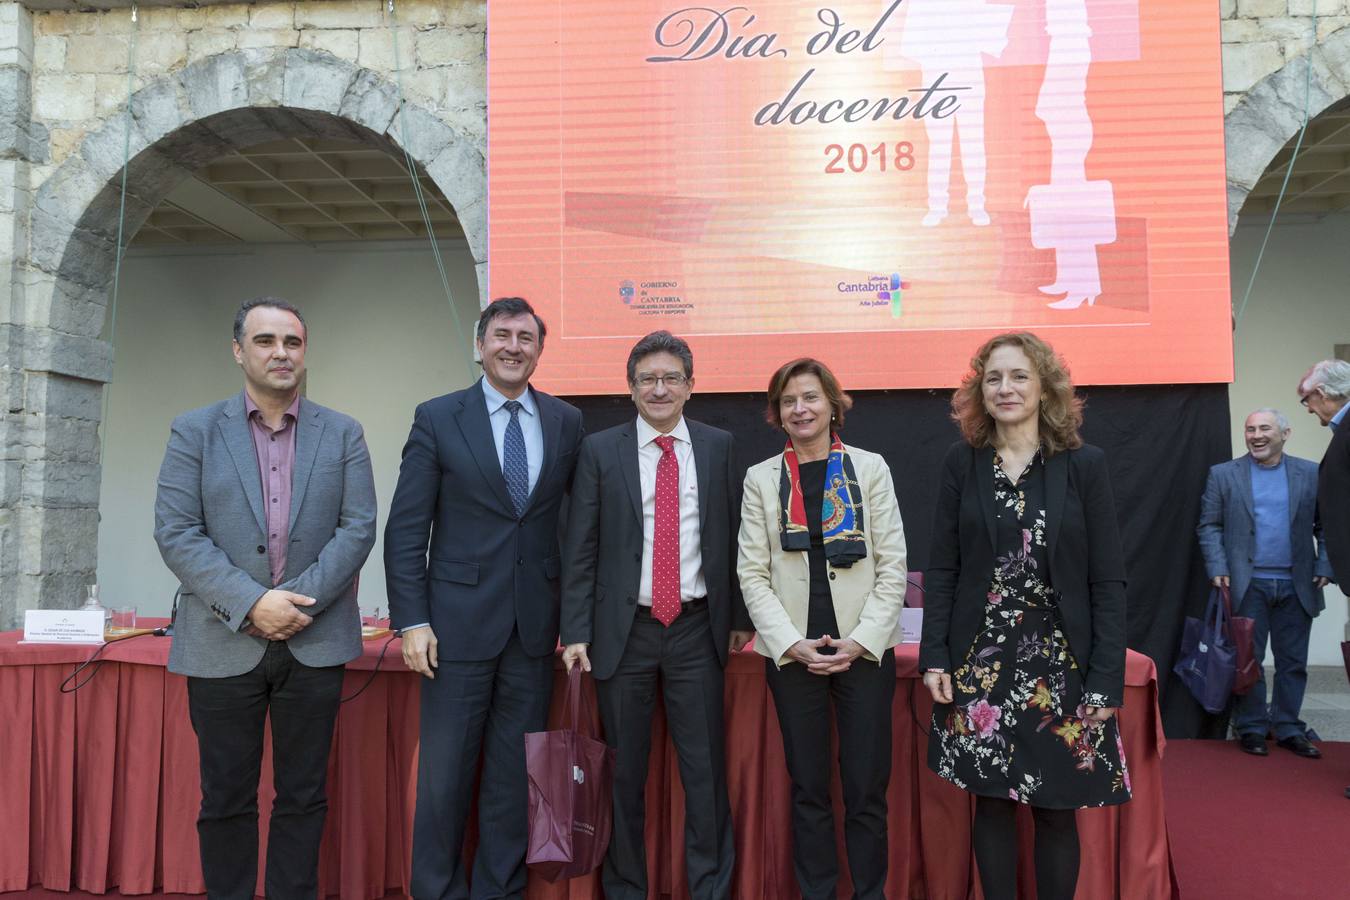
1298,311
381,341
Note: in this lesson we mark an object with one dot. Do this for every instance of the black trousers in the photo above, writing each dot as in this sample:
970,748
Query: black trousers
683,661
228,716
472,709
861,698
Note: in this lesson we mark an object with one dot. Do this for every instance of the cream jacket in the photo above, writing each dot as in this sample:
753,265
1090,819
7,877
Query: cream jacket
776,583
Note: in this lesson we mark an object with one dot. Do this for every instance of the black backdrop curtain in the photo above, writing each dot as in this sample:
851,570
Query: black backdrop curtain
1159,440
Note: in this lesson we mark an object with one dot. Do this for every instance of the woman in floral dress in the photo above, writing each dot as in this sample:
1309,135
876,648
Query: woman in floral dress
1024,624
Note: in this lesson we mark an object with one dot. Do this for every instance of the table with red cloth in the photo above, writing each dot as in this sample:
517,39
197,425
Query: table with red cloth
99,788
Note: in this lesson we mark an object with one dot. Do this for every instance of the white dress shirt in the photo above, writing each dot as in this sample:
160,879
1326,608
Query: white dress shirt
692,586
530,427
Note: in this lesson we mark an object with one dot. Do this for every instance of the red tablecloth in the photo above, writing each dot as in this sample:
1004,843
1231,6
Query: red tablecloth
99,791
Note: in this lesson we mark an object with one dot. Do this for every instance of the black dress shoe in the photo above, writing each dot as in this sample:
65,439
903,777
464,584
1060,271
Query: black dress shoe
1299,744
1254,744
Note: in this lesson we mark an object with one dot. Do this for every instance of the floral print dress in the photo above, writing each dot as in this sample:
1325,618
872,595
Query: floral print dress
1016,728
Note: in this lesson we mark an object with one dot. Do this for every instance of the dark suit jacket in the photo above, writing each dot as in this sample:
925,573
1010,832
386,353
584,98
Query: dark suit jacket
455,552
1333,502
1086,563
602,550
1227,528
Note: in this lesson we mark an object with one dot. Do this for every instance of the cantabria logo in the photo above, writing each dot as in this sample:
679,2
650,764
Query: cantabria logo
886,289
626,288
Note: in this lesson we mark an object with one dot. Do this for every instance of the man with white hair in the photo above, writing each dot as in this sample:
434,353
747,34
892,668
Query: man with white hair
1259,535
1325,392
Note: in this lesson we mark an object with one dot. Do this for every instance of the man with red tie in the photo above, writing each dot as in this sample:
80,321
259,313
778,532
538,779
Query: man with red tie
650,600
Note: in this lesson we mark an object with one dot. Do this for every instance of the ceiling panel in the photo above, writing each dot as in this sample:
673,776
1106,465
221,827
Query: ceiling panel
306,190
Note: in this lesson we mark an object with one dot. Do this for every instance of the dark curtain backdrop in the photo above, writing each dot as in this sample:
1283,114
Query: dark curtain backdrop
1159,440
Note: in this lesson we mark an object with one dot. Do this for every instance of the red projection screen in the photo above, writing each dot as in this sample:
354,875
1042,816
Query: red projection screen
879,183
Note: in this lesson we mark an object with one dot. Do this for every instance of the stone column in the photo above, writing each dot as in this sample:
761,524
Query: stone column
52,370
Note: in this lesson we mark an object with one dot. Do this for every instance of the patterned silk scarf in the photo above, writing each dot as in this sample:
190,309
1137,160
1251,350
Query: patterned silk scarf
841,515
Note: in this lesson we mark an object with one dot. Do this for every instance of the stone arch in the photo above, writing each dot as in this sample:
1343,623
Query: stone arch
188,118
49,499
1271,113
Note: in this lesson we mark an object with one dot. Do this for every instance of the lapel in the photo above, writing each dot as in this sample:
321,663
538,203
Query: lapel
550,422
984,483
627,449
308,433
1244,479
703,470
234,430
472,419
1056,491
1294,474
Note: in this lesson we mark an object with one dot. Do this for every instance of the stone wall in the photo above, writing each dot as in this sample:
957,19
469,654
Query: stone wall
205,81
1261,36
1268,52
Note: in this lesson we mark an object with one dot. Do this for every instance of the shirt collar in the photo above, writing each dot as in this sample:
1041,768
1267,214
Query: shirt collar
496,399
1336,419
250,407
646,433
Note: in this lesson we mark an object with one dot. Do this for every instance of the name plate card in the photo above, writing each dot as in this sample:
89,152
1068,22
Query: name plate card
911,625
63,626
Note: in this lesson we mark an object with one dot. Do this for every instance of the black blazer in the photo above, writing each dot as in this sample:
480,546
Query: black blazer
1333,502
602,548
455,552
1086,563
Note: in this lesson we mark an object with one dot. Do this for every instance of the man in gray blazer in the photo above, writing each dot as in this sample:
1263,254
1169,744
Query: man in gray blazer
1260,538
265,511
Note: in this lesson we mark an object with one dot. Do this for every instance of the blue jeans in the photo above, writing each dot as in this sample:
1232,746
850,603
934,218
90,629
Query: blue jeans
1274,608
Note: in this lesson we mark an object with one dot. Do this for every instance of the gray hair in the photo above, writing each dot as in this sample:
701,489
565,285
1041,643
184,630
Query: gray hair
274,303
1281,420
1330,376
660,342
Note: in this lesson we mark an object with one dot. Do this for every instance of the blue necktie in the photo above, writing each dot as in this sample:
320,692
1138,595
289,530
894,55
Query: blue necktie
515,464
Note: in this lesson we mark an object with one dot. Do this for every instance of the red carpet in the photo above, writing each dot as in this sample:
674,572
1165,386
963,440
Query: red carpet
1258,828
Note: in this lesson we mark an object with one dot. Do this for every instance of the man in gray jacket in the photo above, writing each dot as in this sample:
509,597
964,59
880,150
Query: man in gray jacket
1260,538
265,511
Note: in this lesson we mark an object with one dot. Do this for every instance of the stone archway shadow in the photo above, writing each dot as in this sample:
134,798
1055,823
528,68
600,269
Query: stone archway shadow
1272,113
188,118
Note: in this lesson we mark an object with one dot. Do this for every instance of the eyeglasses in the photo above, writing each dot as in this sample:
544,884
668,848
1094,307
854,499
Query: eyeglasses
1303,401
672,380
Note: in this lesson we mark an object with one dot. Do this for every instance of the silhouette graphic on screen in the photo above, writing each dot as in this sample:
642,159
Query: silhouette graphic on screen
1071,214
951,38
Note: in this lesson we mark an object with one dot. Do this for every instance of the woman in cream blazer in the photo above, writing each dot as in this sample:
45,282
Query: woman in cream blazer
822,570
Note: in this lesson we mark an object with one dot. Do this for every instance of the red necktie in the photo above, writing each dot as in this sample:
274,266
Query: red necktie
666,535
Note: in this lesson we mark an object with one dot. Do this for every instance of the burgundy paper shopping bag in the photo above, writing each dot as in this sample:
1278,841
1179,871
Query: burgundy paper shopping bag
571,777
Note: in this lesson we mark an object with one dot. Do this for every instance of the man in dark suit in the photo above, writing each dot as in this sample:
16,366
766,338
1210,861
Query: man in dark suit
471,559
1325,392
1259,536
650,596
265,512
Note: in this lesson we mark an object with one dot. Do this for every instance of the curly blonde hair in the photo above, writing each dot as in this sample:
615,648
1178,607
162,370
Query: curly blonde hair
1061,410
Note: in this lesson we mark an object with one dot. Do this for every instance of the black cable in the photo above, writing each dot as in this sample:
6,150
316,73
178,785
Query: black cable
373,672
98,663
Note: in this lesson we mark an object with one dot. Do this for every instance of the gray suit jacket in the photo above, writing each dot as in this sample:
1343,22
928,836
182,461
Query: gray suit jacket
1227,528
211,532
